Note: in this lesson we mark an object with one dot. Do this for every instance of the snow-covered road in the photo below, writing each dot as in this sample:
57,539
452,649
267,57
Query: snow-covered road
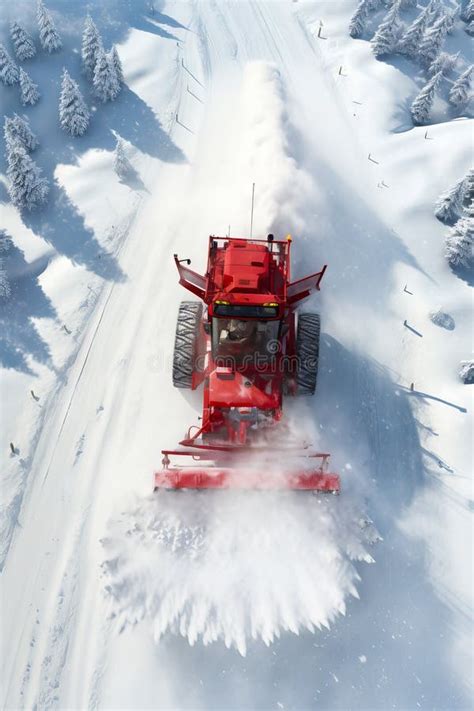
258,101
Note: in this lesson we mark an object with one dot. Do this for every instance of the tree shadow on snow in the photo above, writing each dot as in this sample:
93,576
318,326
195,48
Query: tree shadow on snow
19,337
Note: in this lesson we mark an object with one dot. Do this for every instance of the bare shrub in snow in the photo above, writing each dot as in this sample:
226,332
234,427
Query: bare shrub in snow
49,37
459,94
117,65
9,73
5,289
27,188
17,127
468,13
433,39
421,107
386,38
122,165
466,372
449,206
91,44
106,86
29,93
74,115
443,63
22,42
460,241
443,320
409,43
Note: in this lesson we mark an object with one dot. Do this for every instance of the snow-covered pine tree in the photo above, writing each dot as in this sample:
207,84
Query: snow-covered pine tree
434,8
18,128
91,44
27,188
468,13
106,85
117,64
49,37
421,107
5,289
122,165
443,63
432,41
22,42
459,94
460,241
470,28
450,21
409,43
358,20
386,38
449,206
9,73
29,93
74,115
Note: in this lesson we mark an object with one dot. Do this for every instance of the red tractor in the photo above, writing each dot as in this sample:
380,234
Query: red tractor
248,348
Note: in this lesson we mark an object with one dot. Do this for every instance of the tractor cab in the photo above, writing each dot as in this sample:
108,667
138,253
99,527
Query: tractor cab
244,332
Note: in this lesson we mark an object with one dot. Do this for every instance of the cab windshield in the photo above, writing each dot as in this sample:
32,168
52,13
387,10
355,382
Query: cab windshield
236,338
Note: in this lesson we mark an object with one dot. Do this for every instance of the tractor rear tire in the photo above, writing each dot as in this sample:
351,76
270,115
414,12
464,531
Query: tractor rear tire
187,330
307,350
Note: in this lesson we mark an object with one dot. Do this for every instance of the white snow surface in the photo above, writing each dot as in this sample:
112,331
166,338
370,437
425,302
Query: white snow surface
116,598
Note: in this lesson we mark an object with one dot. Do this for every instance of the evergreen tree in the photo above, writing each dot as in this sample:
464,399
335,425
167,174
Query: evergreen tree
27,188
29,93
18,128
106,86
470,28
443,63
421,107
9,73
460,241
410,40
74,115
459,94
117,64
450,22
5,289
91,44
449,206
358,20
122,165
433,39
468,13
49,37
22,42
386,38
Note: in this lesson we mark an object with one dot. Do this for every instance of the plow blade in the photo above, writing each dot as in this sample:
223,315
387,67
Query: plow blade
221,478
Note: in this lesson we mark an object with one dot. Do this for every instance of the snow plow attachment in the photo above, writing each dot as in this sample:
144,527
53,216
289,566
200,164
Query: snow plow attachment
219,472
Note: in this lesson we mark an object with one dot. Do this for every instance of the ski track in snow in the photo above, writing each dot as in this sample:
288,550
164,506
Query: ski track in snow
232,568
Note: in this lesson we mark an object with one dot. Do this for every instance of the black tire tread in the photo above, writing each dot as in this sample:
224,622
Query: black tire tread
187,329
307,350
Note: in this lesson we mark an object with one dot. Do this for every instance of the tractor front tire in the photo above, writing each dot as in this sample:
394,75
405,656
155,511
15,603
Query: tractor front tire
307,350
187,330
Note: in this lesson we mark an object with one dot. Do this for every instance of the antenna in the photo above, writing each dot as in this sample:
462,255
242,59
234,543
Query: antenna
251,212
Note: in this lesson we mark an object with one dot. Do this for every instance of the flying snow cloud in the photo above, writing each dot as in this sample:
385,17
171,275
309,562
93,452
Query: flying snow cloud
268,152
235,566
